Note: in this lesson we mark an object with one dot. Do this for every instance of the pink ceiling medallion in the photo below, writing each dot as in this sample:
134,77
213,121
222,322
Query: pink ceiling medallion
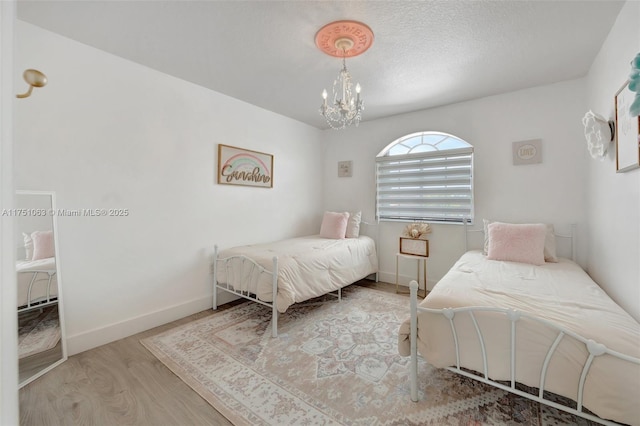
344,38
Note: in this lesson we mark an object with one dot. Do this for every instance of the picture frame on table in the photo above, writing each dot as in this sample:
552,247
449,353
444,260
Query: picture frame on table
414,246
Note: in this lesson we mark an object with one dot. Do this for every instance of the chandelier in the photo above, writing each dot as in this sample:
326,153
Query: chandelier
343,39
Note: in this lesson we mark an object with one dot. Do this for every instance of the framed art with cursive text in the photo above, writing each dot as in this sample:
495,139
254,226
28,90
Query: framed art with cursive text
238,166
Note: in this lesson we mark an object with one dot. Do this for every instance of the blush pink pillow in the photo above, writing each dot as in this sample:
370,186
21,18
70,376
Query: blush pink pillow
334,225
517,242
42,244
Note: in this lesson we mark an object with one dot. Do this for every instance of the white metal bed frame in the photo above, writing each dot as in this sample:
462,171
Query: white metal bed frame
254,270
42,301
594,348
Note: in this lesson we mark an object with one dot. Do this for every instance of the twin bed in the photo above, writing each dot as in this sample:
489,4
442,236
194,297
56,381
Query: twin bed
515,315
547,326
297,269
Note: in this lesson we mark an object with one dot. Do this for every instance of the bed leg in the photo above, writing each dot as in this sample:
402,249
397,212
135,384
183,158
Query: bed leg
340,295
215,277
274,321
413,364
274,309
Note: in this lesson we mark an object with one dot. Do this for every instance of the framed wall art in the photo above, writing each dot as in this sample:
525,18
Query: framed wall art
627,132
527,152
345,168
238,166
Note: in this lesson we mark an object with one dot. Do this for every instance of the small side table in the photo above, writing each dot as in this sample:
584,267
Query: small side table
424,269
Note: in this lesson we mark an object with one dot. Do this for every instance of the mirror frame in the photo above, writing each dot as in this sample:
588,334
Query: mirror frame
61,319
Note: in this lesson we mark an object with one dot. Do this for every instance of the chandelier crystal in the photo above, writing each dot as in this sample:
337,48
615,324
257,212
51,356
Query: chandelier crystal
343,39
345,109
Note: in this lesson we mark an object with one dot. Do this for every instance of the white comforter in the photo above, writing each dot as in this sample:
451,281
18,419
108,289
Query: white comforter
560,292
25,270
308,267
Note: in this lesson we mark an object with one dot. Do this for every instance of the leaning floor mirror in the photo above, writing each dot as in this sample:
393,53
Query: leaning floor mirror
41,335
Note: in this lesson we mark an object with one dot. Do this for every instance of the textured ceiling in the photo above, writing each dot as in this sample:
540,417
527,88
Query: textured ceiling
425,54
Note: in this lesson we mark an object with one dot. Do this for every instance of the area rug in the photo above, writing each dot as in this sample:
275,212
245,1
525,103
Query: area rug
38,331
332,363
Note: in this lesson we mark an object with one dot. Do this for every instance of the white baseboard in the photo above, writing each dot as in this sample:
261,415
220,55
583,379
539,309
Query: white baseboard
100,336
403,280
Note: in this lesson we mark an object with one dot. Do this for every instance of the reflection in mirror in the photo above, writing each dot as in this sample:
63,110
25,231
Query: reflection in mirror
41,337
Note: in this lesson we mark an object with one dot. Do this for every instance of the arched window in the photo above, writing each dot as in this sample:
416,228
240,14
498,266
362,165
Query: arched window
425,176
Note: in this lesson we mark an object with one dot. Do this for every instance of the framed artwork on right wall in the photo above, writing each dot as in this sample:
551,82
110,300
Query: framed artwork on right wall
627,132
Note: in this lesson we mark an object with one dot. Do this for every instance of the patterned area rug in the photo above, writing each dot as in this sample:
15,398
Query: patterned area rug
332,363
38,331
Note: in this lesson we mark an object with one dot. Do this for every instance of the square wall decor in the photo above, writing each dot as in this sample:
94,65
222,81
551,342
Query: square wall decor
345,168
527,152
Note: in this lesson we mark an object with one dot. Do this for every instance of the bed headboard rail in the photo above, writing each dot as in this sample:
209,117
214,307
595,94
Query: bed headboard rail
571,236
370,229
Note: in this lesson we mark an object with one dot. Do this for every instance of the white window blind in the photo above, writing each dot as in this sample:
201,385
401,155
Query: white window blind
435,186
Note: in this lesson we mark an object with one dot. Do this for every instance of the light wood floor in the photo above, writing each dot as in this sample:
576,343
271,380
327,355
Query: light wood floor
121,383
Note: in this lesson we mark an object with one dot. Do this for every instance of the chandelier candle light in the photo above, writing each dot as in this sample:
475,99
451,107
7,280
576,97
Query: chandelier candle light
343,39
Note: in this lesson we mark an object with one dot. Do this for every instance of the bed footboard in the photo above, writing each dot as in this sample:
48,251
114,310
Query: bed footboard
236,281
593,348
42,299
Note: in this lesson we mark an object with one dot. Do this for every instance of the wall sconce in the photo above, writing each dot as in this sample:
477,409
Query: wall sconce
34,78
599,133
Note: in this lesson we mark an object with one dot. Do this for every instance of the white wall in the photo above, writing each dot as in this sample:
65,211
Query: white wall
8,287
614,198
552,192
109,133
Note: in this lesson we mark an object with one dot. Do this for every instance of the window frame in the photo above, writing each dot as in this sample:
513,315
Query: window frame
459,159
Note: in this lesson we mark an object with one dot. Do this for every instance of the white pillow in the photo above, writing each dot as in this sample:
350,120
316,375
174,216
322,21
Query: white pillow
485,224
28,246
550,245
549,242
334,225
353,225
